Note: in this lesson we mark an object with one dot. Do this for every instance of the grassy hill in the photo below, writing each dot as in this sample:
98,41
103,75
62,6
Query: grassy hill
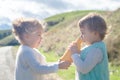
62,29
7,38
113,37
4,33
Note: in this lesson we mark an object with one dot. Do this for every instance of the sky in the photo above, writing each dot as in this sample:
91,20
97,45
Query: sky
12,9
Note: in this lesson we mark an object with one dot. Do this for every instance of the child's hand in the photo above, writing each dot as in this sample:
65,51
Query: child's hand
73,48
64,64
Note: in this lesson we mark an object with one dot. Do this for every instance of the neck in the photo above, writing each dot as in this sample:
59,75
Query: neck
23,43
90,43
96,41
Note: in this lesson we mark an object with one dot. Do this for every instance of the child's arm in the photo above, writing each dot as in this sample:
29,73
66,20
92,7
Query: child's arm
92,59
36,67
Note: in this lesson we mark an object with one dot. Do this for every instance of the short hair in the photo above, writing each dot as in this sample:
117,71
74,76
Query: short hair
94,22
25,25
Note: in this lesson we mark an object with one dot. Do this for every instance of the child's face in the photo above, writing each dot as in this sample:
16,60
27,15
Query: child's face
89,36
34,39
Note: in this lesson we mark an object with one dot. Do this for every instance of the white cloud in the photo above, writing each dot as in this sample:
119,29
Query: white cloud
94,4
12,9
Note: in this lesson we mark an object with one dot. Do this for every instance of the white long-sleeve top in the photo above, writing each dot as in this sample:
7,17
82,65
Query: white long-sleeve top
31,65
93,57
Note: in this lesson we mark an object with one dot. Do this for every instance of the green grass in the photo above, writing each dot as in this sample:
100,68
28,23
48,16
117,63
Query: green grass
70,73
51,57
67,74
70,15
114,72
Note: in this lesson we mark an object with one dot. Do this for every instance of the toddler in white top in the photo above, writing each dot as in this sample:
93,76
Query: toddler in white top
30,63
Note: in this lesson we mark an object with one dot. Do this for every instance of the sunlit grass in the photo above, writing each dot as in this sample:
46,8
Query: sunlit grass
64,74
114,72
67,74
50,57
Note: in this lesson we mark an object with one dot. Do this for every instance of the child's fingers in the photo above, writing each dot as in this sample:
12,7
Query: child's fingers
72,45
65,64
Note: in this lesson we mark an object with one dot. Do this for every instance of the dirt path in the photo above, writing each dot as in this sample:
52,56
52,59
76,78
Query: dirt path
6,63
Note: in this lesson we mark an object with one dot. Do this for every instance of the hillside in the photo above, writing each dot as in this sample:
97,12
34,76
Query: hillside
59,35
4,33
62,29
113,37
7,38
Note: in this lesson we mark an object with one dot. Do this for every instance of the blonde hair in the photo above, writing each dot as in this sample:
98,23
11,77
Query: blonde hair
94,22
25,25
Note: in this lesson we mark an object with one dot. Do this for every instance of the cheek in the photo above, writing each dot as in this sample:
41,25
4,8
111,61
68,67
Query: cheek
39,40
86,37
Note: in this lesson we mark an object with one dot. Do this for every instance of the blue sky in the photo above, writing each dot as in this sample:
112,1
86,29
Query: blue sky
12,9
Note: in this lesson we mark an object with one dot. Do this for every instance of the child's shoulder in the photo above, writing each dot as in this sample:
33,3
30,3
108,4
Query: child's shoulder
25,49
98,44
